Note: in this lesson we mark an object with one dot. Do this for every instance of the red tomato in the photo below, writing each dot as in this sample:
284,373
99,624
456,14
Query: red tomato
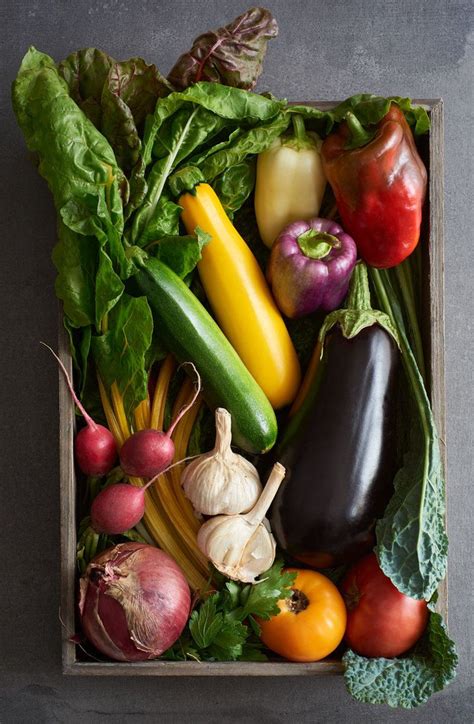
381,621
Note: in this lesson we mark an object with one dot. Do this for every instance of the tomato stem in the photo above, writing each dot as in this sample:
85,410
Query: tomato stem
297,602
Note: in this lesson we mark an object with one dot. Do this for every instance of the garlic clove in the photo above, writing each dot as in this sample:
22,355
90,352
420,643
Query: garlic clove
242,546
221,482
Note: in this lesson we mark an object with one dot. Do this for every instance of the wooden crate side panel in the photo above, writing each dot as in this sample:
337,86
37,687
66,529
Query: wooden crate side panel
204,668
67,502
436,298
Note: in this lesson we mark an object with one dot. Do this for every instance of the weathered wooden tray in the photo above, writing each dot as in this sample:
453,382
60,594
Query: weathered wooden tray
433,340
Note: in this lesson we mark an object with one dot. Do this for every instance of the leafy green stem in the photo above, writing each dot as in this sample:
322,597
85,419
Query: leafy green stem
405,280
382,285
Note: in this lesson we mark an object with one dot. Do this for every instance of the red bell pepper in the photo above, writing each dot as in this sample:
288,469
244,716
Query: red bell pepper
379,182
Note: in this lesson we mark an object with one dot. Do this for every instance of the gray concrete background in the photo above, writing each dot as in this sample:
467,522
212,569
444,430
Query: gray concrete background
325,51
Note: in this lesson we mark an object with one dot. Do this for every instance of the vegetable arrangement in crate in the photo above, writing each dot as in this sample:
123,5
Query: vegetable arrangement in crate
245,447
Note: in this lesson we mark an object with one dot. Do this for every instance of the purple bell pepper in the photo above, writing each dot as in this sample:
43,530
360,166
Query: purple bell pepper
310,267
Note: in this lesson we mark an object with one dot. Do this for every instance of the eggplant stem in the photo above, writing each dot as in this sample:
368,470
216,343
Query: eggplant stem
359,291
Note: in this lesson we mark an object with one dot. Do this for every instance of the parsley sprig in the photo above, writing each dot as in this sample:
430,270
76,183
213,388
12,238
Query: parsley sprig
224,627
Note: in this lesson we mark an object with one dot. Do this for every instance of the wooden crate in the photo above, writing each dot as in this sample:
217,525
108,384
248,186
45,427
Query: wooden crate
433,339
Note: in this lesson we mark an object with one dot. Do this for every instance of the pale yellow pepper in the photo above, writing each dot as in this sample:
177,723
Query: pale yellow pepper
290,182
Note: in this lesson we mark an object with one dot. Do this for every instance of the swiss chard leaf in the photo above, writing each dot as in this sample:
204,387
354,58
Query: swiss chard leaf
119,353
229,103
370,109
249,141
233,154
115,96
129,94
165,221
86,283
75,159
409,681
180,253
206,126
79,345
108,288
232,55
75,258
235,185
149,213
85,73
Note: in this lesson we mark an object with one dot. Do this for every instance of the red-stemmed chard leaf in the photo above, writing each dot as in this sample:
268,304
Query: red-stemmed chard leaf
232,55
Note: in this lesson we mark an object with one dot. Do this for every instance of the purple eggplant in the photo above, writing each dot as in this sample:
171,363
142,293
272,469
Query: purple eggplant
310,267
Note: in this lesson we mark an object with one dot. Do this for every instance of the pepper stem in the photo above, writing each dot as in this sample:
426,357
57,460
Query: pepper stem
359,136
299,128
317,244
359,292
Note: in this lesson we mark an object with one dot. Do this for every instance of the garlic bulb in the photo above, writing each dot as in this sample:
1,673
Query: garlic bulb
220,481
242,546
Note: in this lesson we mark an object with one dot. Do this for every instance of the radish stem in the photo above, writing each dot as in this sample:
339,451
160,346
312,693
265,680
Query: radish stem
85,414
187,407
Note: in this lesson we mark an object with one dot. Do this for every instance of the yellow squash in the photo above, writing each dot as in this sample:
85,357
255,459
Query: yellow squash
241,299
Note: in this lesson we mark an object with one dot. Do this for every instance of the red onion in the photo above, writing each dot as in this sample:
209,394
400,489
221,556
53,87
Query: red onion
134,602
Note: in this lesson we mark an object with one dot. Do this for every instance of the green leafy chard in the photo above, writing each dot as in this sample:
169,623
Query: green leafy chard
75,159
228,103
115,96
119,353
250,141
180,253
235,185
86,283
409,681
85,72
130,93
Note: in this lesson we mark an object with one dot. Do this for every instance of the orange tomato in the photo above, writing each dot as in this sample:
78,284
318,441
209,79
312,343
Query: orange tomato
311,622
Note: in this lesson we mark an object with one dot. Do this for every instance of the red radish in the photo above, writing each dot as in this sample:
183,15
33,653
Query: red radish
95,446
148,452
118,508
134,602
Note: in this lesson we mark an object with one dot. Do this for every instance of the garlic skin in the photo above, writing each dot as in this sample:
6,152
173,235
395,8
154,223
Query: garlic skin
220,539
242,546
221,482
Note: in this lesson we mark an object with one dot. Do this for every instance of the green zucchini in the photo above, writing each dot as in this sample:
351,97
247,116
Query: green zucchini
191,334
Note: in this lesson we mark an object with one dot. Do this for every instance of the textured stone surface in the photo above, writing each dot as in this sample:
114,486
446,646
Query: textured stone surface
325,50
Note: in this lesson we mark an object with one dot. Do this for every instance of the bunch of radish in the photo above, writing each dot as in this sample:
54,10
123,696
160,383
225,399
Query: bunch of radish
145,454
